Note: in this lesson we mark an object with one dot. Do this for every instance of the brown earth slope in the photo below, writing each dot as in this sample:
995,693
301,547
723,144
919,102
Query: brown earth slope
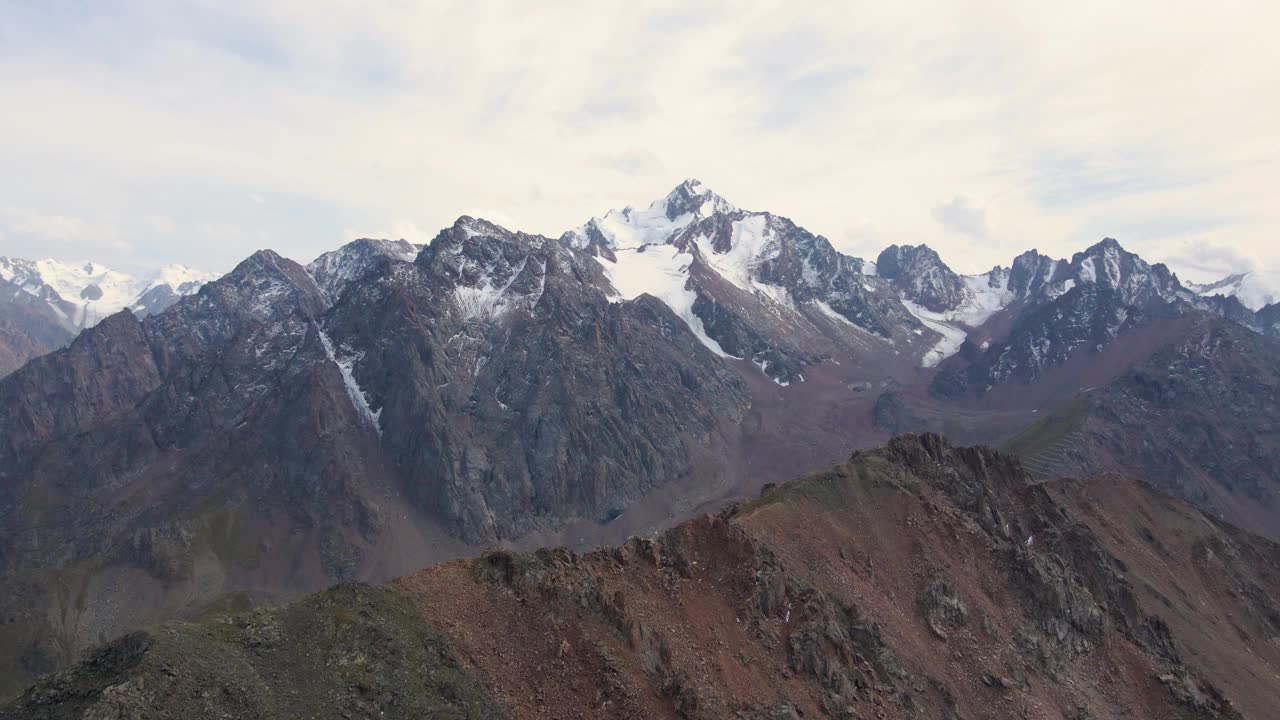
916,580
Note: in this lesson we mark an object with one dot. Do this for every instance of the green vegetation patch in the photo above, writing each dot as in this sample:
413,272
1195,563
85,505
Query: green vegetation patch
351,651
1046,433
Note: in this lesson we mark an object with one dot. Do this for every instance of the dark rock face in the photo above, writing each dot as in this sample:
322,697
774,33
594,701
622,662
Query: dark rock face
332,271
490,388
922,276
1086,317
893,414
1200,419
517,393
1070,308
1268,319
1032,274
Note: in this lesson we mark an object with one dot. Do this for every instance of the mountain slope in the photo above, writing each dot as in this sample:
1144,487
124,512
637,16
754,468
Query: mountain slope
916,580
1199,419
255,441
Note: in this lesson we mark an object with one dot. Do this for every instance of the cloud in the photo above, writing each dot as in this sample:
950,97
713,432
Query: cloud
636,162
1068,121
59,233
398,230
1207,260
960,216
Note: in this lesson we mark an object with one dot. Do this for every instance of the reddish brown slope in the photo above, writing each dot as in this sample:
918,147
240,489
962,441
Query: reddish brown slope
900,584
1214,584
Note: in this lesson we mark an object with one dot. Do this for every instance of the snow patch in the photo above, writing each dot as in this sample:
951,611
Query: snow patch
1088,271
751,243
484,300
632,228
1255,290
359,400
952,337
987,296
663,272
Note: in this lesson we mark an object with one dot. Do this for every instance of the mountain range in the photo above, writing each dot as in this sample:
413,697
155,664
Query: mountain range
285,427
45,303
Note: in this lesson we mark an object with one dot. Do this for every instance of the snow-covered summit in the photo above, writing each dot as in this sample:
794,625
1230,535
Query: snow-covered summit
658,223
181,279
1255,289
94,291
1110,265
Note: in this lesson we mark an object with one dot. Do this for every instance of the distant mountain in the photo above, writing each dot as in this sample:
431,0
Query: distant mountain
60,299
1255,290
30,325
389,405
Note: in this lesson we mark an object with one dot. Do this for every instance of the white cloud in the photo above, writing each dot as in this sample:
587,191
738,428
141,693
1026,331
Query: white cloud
959,215
1153,122
59,234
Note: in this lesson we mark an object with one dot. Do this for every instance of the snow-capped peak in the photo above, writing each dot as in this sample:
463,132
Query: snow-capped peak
692,198
96,291
658,223
1255,289
1110,265
180,278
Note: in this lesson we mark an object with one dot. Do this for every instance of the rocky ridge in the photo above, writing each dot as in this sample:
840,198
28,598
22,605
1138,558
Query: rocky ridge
915,580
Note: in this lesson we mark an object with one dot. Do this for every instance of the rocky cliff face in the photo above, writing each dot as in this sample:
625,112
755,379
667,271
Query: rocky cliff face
514,393
1068,310
922,276
915,580
254,438
1268,319
334,270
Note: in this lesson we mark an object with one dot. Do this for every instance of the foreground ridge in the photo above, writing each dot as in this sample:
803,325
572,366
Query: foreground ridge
913,580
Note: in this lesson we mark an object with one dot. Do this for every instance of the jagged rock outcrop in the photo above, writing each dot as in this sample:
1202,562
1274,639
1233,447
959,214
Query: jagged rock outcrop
334,270
922,276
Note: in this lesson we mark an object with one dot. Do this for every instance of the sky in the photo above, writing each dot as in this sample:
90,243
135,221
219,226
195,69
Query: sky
137,133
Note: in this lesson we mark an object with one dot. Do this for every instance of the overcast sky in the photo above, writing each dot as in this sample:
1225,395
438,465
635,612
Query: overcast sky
138,133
